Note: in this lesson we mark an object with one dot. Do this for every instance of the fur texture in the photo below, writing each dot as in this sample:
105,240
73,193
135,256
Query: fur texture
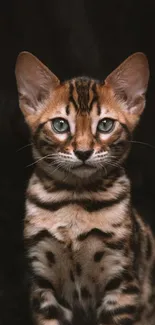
91,257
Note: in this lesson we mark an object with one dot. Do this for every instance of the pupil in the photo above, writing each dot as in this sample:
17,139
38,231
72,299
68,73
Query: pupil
61,124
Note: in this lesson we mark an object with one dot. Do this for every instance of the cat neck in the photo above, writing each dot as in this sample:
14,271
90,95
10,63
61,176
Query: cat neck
50,193
100,180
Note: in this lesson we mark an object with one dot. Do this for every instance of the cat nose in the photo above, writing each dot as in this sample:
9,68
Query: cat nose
83,154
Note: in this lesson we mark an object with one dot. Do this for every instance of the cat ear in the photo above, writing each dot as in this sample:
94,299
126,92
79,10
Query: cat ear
34,82
129,82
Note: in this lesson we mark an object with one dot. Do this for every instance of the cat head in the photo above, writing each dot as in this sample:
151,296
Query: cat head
81,126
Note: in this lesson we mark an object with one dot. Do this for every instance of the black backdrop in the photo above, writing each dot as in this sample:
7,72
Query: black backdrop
72,37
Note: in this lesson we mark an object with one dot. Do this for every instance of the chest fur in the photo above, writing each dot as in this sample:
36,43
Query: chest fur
79,270
76,250
70,221
76,247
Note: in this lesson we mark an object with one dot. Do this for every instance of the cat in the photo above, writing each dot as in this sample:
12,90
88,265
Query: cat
91,258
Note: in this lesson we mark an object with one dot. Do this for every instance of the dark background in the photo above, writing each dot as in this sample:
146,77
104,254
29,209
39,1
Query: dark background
72,37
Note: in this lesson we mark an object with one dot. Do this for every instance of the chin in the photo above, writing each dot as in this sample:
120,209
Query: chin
84,171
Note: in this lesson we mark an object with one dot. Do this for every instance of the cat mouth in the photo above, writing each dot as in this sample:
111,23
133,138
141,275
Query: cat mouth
83,170
84,166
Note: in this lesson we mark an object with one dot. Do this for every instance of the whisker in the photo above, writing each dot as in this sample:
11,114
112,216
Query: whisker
27,145
143,143
57,167
36,161
106,173
115,165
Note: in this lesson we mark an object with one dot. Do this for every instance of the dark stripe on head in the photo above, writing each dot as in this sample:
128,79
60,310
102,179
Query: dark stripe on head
71,98
82,87
67,110
95,99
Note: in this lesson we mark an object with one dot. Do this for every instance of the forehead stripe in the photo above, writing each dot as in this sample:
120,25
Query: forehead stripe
82,88
95,99
71,98
67,110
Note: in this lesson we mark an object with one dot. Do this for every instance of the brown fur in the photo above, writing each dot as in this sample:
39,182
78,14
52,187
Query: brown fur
91,257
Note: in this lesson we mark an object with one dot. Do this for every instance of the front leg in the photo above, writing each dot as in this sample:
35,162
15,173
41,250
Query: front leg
46,309
120,304
47,279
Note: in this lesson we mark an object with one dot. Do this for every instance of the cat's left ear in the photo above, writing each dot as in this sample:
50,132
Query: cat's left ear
129,82
35,82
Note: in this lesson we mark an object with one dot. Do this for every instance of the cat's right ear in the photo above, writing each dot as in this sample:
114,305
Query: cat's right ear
129,82
34,82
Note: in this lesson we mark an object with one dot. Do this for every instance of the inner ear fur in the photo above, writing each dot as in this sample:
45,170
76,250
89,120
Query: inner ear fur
34,83
130,81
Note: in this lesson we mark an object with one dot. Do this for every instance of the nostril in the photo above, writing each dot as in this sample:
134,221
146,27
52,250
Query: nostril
83,154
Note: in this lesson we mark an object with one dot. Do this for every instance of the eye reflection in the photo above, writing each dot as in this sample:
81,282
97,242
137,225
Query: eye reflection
60,125
106,125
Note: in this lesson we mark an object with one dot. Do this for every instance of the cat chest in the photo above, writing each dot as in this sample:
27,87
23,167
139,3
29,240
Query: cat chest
76,250
72,220
78,270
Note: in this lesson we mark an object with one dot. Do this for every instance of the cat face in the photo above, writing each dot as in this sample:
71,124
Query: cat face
81,126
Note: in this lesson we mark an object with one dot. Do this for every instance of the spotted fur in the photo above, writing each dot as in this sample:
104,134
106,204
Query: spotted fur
91,258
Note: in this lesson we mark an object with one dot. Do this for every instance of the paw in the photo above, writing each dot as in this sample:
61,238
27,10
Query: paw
51,312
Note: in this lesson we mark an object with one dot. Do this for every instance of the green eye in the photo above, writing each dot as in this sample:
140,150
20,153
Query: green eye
106,125
60,125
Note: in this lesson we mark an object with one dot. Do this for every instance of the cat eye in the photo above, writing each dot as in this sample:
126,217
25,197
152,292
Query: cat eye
60,125
106,125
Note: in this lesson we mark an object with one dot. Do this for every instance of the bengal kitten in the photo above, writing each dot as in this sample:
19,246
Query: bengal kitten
91,257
